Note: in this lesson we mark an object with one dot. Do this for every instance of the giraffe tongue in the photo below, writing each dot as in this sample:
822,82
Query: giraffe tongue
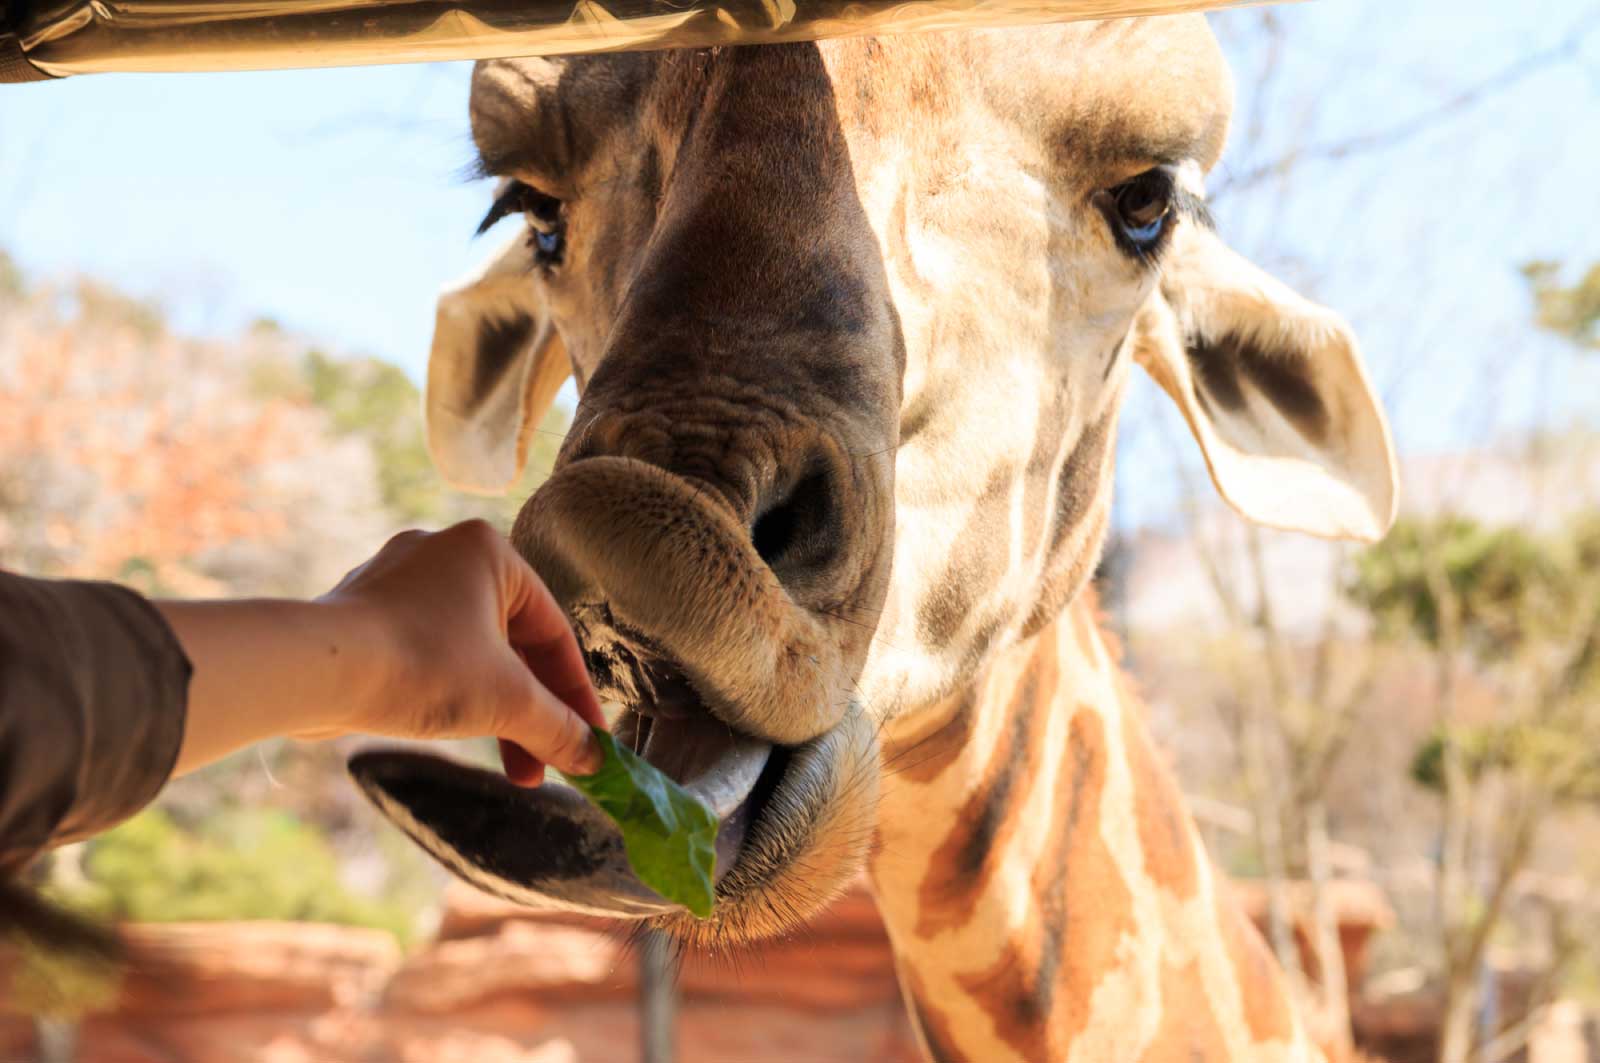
548,847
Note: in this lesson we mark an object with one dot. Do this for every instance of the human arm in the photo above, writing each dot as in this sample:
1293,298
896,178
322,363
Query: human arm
443,635
92,694
437,636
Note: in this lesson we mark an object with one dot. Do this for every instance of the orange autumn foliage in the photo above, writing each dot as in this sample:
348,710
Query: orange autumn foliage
130,453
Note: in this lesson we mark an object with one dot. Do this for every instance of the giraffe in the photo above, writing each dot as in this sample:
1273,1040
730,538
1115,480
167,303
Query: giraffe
851,325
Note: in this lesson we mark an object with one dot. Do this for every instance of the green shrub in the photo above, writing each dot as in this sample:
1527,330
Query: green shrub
237,864
55,986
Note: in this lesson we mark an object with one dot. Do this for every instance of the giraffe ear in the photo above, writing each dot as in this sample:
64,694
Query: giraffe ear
495,368
1273,388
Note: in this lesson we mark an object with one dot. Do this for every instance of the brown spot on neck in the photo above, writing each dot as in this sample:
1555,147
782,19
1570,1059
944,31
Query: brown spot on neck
1189,1030
1038,994
1071,928
1164,836
960,869
931,1023
1261,986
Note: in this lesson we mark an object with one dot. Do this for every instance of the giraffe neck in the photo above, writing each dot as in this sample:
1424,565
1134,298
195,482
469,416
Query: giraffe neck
1044,886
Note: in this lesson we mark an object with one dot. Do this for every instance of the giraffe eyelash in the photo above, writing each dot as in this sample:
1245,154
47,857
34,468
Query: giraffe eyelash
519,198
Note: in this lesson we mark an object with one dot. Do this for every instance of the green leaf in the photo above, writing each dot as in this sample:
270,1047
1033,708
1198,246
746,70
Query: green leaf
670,837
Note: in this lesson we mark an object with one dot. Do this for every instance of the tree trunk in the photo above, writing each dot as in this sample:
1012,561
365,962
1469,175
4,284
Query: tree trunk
1265,808
1460,1010
57,1040
658,999
1335,990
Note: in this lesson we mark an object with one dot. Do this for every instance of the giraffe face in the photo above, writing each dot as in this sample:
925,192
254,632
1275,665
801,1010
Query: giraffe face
850,323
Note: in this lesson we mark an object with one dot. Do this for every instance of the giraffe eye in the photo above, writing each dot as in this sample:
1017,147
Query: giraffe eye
547,227
1139,210
548,246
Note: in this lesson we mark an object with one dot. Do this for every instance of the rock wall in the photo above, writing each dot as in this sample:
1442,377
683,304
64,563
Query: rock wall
499,984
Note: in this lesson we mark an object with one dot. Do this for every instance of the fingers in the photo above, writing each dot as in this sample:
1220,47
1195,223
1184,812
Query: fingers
539,632
543,728
543,703
521,767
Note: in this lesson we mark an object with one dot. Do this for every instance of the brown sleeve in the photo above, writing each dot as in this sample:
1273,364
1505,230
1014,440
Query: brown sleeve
93,689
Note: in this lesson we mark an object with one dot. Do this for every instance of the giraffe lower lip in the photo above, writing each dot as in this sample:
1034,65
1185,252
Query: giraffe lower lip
548,846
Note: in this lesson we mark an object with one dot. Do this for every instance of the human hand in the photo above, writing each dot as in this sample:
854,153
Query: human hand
473,645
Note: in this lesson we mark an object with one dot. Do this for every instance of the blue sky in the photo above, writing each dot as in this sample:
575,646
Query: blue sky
332,200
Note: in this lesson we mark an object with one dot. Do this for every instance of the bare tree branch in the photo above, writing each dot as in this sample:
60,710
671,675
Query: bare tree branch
1381,139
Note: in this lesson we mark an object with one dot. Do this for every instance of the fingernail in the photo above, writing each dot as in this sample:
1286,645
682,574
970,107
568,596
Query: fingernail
591,756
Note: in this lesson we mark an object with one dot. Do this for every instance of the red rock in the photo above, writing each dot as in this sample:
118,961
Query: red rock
185,968
543,961
500,984
16,1038
1360,908
471,913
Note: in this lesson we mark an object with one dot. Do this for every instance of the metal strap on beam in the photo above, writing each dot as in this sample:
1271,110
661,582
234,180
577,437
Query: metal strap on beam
61,37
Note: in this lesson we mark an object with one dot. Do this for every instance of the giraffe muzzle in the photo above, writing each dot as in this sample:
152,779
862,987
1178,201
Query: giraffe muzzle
629,547
726,685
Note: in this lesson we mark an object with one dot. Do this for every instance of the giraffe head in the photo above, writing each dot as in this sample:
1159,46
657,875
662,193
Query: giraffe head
850,324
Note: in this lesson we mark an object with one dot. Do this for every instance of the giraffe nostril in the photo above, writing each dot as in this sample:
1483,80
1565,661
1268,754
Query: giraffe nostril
798,531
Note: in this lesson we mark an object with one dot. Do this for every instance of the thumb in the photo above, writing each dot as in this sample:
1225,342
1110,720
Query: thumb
545,729
521,767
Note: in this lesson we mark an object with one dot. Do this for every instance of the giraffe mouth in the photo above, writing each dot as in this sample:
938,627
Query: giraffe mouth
728,686
548,847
